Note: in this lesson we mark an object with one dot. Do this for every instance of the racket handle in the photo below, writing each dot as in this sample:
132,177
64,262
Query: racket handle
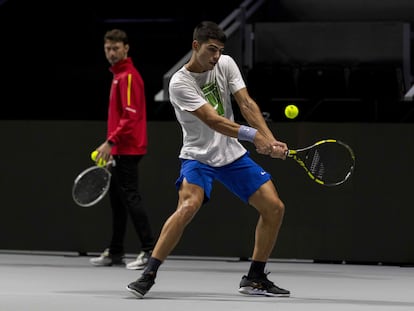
111,163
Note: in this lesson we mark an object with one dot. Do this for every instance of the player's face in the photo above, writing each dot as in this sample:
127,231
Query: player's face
209,53
115,51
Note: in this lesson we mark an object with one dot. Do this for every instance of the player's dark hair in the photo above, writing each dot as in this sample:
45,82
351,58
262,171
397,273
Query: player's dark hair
207,30
116,35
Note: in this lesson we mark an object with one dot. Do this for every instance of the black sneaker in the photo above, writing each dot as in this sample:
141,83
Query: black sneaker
261,287
141,286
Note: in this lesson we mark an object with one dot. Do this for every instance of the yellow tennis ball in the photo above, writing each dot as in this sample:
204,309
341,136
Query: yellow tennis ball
101,161
94,154
291,111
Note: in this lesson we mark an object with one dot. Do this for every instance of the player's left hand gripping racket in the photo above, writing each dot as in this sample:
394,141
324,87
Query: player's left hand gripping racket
91,185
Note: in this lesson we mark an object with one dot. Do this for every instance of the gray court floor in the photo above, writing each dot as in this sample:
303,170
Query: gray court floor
64,282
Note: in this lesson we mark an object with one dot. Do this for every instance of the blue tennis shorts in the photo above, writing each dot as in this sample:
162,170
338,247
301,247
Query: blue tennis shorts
242,177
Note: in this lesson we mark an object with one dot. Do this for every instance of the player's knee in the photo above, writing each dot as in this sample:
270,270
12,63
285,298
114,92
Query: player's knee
186,211
280,207
276,209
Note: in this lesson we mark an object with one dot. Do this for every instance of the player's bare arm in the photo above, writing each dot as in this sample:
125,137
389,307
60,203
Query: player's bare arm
209,116
252,114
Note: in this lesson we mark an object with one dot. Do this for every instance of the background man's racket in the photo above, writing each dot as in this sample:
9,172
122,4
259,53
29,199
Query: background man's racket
328,162
91,185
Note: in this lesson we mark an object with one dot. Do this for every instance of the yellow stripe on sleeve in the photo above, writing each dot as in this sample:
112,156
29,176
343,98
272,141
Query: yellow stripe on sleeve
129,90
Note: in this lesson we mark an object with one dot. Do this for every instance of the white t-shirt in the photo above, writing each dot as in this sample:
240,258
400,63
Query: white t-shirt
200,142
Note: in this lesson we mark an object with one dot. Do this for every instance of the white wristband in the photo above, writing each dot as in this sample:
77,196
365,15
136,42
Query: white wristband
246,133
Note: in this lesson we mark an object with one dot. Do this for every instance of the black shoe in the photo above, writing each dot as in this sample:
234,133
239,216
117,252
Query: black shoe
141,286
262,287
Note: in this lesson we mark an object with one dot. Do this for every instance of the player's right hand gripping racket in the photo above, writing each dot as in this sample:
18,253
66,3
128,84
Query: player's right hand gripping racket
91,185
328,162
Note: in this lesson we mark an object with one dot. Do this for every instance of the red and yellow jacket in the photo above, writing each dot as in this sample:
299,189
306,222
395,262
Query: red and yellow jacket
127,124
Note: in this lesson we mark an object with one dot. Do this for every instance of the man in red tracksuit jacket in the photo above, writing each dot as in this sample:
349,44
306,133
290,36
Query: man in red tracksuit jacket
126,143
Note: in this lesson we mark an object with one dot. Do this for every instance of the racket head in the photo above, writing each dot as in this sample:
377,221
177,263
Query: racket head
329,162
91,185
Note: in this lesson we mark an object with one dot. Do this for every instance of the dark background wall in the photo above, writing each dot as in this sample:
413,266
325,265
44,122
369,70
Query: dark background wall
333,69
368,219
54,81
53,63
53,60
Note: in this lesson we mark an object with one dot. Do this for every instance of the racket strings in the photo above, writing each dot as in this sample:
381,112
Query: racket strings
338,162
328,162
91,186
317,167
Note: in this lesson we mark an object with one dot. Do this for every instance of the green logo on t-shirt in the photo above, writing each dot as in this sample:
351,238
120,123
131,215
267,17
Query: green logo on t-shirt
212,93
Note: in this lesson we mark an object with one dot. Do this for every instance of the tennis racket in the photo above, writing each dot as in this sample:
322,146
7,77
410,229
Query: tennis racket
328,162
91,185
